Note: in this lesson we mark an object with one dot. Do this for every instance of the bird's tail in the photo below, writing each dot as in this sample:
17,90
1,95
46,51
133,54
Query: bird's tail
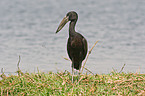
77,65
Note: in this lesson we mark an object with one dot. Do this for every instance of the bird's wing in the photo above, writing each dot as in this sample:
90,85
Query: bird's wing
85,47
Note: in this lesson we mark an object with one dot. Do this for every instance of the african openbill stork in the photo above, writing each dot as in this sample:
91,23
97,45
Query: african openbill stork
77,45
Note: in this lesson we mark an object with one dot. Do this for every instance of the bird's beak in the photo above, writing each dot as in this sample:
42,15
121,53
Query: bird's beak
62,23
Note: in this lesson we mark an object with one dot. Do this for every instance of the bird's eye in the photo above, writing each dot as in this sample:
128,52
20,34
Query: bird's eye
70,15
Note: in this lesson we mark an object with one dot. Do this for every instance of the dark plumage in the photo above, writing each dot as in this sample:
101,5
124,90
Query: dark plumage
77,44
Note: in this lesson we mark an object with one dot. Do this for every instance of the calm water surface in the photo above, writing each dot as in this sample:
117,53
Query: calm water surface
27,28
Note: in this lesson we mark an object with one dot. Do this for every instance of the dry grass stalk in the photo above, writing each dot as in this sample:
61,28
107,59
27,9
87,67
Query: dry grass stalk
88,56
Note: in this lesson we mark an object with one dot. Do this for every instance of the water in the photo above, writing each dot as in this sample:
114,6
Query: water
27,28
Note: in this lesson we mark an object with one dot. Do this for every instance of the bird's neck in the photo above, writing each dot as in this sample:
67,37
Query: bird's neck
72,28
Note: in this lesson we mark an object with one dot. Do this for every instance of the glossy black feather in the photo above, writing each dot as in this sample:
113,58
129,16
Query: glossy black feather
77,50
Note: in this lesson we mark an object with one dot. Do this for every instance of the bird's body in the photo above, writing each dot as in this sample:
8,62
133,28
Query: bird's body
77,44
77,50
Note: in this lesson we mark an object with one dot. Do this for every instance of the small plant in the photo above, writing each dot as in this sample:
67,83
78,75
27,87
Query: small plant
60,84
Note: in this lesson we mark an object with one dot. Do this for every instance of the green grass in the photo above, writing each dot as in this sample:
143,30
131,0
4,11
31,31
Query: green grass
45,84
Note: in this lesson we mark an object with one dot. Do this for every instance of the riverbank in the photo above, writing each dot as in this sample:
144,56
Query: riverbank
46,84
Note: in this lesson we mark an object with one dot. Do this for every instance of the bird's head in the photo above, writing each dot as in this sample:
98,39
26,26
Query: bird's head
70,16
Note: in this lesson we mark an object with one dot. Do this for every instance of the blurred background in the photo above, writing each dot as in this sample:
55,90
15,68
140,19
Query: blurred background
27,28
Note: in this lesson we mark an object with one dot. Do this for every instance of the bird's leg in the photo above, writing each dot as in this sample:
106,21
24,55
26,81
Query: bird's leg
79,75
72,73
